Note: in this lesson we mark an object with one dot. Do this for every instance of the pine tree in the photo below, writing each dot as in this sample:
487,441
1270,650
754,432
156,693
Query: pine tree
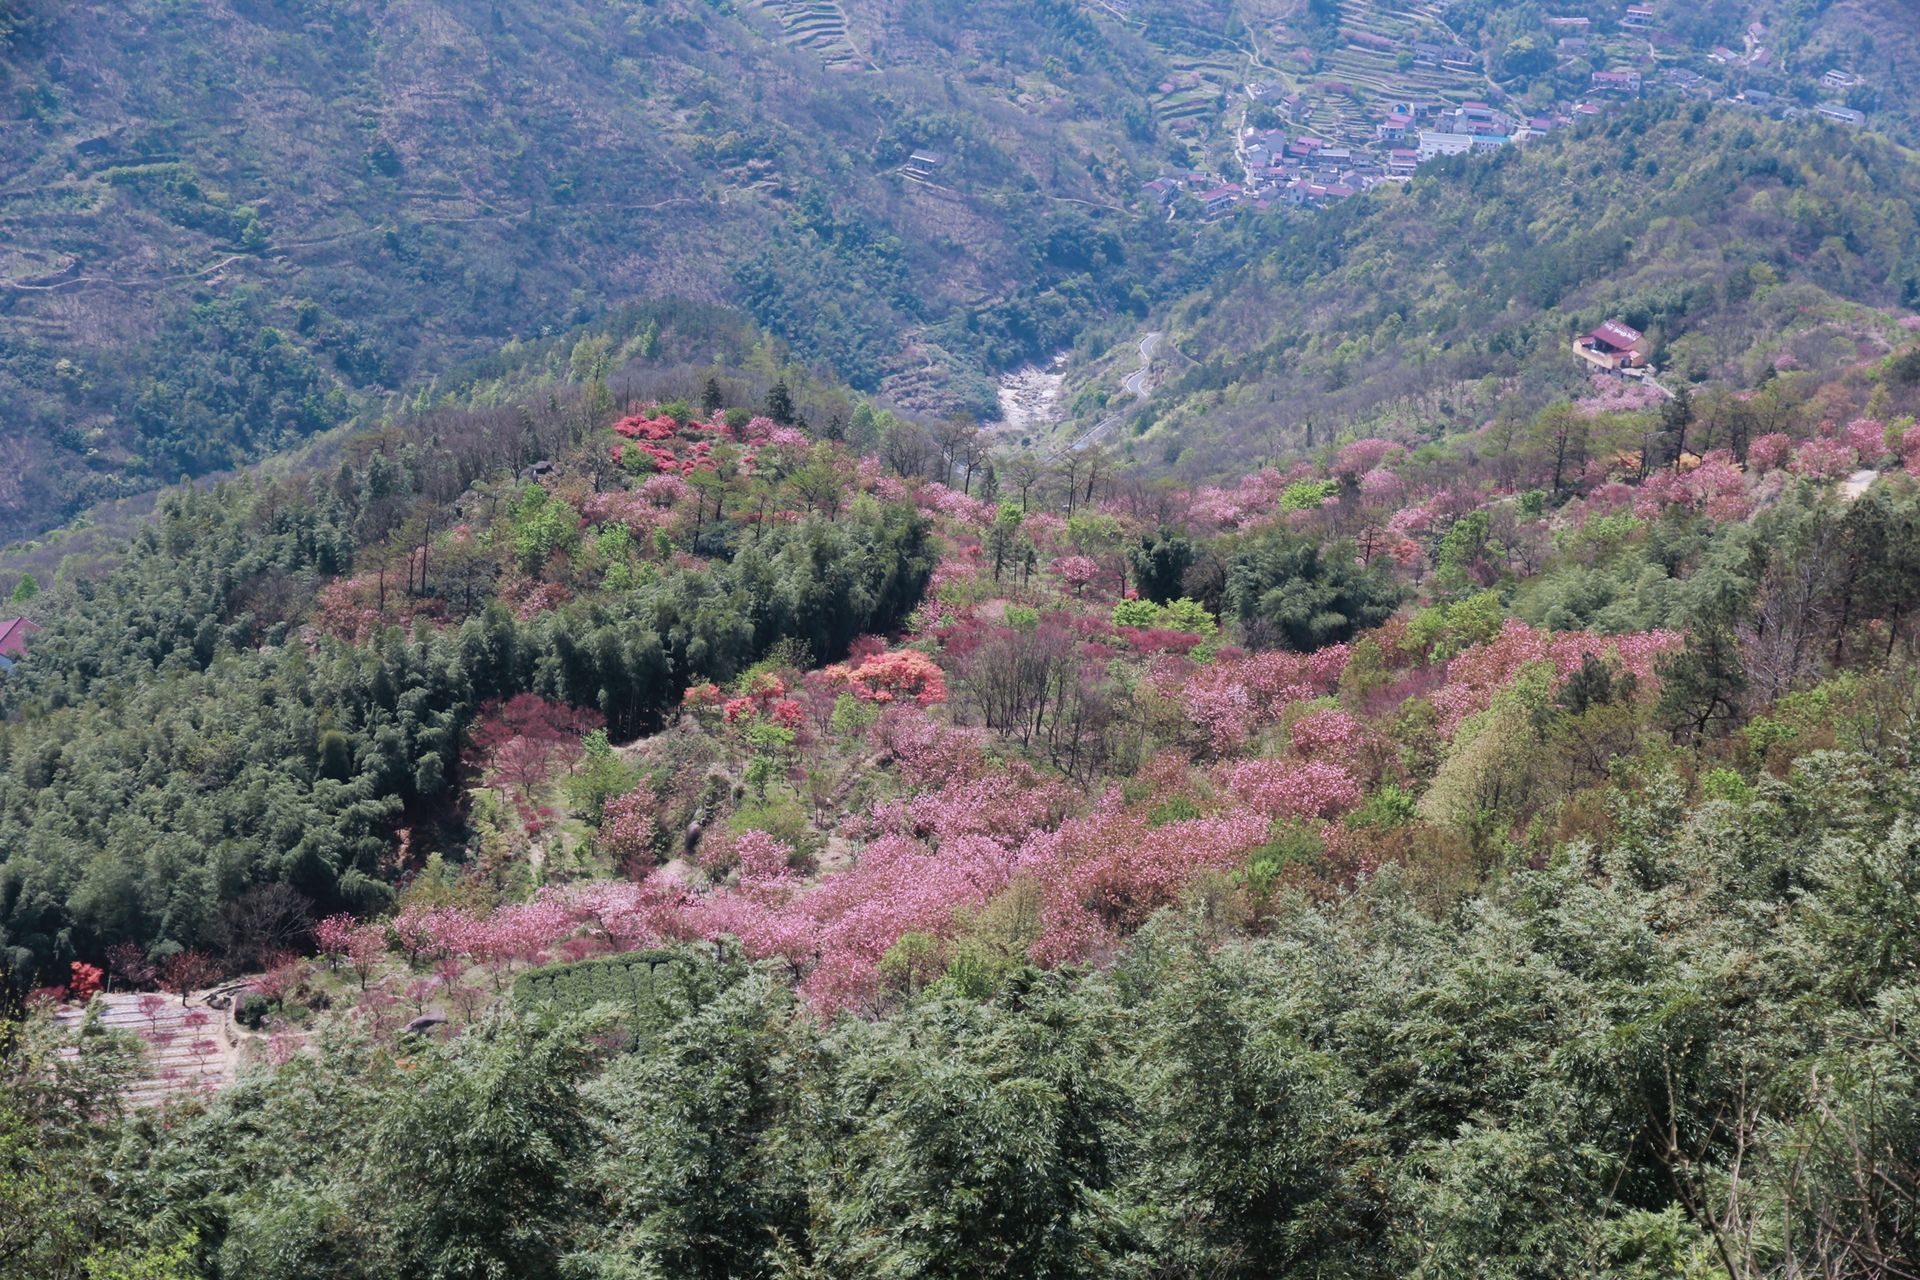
780,403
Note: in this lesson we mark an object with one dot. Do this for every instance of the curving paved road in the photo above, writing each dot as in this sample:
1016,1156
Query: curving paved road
1135,385
1136,382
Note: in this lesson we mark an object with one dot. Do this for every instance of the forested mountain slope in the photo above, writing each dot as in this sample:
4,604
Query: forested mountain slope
1730,240
610,792
229,225
1490,857
230,678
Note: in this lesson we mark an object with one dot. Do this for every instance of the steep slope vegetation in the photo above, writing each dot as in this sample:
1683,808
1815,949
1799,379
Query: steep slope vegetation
229,225
1730,240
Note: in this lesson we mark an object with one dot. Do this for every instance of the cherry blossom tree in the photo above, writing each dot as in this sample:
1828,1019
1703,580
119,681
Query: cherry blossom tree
366,948
129,965
1866,437
150,1006
333,934
1769,452
629,830
186,972
1077,572
1329,734
1822,459
520,743
1281,790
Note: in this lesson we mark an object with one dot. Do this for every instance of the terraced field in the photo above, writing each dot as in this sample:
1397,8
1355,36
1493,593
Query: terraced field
190,1049
1363,62
1340,117
1192,108
820,28
1350,88
1361,74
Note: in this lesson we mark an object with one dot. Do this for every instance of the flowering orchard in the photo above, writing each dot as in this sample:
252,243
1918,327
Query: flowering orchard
1095,701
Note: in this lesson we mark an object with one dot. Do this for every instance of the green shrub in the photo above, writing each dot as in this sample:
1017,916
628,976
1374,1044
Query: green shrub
1307,495
633,983
1177,809
1389,807
251,1010
1726,784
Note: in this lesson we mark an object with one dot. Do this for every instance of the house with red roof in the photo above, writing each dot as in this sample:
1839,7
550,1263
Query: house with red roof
1219,200
1617,81
1613,345
13,640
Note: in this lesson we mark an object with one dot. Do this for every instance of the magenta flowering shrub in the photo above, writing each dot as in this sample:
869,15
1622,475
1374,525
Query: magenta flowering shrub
1490,667
1769,452
1380,485
1107,872
1415,521
1659,492
1329,735
1280,789
1866,437
1231,698
1612,394
762,861
1822,459
1256,496
630,830
990,804
952,572
936,497
1362,456
664,491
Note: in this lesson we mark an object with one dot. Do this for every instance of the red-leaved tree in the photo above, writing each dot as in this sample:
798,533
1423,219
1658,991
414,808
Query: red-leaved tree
83,982
519,744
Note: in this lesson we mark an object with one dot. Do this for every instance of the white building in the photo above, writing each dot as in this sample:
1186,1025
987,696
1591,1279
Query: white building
1444,144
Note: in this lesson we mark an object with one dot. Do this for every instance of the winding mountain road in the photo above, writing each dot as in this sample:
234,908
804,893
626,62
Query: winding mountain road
1134,384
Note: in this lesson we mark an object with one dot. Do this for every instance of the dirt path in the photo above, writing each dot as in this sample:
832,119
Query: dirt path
1858,483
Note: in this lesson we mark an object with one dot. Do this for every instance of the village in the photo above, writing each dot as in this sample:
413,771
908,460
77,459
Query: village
1396,95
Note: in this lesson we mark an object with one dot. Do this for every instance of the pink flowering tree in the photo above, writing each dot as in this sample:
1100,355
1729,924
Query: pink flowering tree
1868,438
1362,456
1822,459
1280,790
1769,452
1106,873
366,948
762,861
630,830
520,743
1076,572
332,936
1329,735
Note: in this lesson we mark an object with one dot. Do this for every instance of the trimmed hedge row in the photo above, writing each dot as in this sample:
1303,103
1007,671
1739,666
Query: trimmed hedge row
635,982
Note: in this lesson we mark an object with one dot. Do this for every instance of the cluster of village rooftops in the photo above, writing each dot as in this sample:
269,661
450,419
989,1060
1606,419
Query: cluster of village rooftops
1319,156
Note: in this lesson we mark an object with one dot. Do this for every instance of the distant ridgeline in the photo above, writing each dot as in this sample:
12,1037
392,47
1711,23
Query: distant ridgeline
650,987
